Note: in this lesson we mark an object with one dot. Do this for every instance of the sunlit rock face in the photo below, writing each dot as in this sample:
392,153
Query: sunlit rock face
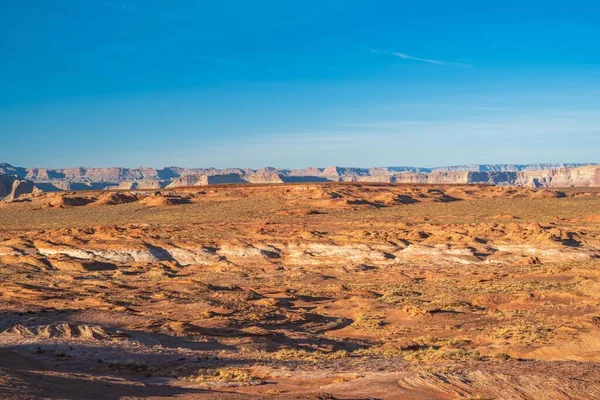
530,175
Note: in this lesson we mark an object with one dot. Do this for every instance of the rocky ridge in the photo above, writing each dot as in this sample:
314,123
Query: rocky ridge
530,175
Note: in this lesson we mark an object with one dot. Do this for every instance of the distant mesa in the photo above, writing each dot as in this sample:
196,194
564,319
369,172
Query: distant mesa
18,180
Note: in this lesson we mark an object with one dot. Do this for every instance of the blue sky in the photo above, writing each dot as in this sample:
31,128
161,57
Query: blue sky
298,83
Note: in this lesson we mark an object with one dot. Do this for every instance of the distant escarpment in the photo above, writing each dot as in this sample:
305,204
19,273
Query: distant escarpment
527,175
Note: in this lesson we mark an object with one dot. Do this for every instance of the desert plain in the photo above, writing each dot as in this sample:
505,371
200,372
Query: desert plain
301,291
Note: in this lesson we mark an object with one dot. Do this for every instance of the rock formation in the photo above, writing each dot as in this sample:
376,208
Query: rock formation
529,175
12,187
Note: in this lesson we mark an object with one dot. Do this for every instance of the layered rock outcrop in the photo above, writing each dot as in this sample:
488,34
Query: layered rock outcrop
531,175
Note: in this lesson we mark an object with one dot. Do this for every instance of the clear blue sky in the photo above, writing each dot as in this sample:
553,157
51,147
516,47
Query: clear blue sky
298,83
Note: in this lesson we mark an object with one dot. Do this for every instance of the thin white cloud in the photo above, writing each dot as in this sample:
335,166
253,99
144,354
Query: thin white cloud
425,60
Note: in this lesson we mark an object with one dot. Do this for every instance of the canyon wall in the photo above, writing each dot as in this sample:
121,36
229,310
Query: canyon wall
528,175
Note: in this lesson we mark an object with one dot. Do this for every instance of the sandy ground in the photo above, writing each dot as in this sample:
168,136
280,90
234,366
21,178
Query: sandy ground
317,291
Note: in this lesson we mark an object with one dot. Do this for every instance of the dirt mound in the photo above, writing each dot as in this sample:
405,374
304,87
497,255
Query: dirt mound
161,201
347,196
547,194
116,198
66,331
64,201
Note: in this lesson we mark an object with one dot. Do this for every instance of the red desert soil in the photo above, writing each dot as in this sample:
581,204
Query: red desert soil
307,291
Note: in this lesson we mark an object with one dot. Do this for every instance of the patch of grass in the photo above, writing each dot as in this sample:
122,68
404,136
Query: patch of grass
502,356
495,287
433,354
129,365
523,334
368,321
427,349
212,376
312,356
399,294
